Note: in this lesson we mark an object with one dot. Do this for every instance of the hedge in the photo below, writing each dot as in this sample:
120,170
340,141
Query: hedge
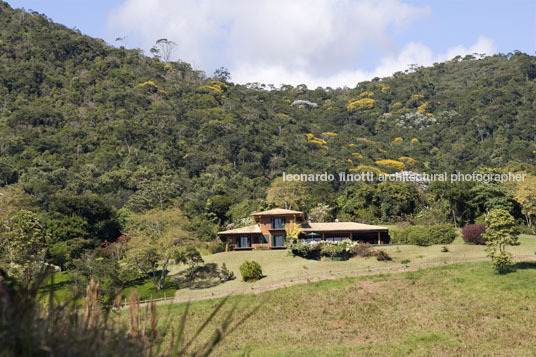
424,235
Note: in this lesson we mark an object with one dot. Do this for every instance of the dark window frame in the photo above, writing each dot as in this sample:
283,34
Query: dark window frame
239,242
274,240
281,219
336,239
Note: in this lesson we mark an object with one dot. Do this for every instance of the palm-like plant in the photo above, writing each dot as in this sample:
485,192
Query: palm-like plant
293,231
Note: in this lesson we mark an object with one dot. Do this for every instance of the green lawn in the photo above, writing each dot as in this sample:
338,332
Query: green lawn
144,288
59,283
458,309
278,266
146,291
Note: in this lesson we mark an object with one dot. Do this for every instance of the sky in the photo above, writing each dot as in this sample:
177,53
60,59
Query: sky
328,43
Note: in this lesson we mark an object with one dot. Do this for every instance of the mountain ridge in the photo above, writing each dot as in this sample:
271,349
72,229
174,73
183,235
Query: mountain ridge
81,118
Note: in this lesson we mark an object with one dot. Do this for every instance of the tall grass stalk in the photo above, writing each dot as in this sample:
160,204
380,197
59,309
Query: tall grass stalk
33,326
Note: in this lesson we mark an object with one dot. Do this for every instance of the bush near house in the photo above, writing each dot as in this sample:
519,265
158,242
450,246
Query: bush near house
473,233
251,271
382,256
425,236
342,250
362,250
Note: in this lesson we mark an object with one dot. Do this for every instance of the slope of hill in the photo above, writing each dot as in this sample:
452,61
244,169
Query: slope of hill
459,309
86,124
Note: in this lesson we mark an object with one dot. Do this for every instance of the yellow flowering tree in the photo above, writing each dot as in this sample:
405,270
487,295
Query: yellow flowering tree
365,103
408,160
314,140
366,168
391,163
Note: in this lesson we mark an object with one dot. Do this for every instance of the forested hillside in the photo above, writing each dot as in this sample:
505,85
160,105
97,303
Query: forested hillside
90,133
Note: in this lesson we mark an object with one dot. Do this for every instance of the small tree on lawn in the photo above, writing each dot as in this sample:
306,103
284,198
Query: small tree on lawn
191,257
500,233
157,238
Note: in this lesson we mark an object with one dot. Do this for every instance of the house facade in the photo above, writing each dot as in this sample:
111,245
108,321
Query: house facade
269,231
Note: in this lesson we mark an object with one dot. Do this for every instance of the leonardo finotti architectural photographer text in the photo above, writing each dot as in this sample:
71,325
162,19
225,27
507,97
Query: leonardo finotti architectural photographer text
404,176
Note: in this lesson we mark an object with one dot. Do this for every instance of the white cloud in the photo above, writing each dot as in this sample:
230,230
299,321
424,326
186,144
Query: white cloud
412,53
316,42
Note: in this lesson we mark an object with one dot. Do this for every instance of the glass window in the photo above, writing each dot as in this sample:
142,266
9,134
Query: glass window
244,242
256,240
266,239
278,223
336,239
278,241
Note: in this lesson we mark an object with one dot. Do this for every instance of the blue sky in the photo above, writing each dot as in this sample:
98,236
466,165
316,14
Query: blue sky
316,42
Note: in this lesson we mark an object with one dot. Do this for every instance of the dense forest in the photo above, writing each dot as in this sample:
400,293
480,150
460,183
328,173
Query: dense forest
91,135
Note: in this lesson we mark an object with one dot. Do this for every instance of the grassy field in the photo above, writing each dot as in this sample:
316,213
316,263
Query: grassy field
458,309
278,266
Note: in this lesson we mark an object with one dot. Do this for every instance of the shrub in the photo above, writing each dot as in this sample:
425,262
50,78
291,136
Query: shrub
442,234
382,255
419,236
524,229
362,250
333,250
405,261
472,233
398,236
305,250
251,271
318,249
444,249
225,274
425,236
215,247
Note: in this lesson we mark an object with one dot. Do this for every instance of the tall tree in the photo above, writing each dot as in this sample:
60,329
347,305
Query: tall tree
320,213
156,239
163,49
526,196
286,194
26,243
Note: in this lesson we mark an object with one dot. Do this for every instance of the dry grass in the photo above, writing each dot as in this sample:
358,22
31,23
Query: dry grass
461,309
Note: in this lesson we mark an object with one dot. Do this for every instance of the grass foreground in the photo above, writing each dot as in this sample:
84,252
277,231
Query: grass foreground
458,309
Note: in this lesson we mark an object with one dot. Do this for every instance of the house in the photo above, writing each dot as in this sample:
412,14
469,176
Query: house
269,231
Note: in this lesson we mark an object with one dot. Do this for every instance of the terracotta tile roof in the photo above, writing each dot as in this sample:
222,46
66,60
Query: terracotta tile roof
249,229
315,227
341,226
277,211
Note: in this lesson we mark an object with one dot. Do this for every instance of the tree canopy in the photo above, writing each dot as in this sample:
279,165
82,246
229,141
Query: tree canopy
90,132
